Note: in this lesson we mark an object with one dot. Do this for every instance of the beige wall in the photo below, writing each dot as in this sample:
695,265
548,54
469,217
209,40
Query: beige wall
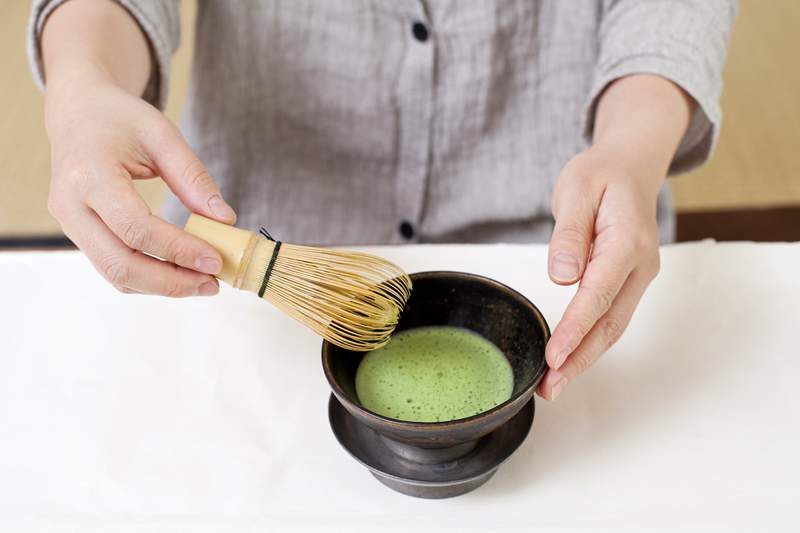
757,162
23,148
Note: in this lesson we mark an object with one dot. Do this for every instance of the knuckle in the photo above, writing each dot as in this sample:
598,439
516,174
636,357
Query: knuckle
639,242
162,130
178,251
75,175
612,329
603,297
78,180
135,234
55,205
565,189
581,360
572,234
643,240
629,246
116,270
655,267
627,242
67,182
174,288
578,328
578,168
196,175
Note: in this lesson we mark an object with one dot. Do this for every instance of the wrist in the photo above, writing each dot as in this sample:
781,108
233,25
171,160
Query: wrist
69,86
85,43
75,77
629,161
641,119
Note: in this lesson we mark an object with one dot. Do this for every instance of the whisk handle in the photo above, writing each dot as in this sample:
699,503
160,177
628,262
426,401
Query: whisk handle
235,245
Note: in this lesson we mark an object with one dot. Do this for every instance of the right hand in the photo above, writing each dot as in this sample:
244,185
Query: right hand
102,138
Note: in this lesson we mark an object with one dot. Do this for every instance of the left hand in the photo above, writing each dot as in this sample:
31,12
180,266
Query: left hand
606,236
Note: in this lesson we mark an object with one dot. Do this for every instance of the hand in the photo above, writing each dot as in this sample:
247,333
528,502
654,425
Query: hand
606,236
102,138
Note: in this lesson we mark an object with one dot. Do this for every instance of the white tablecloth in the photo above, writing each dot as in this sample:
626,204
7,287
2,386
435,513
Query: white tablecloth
132,413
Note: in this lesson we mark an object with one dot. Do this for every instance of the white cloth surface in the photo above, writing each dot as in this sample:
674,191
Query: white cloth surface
134,413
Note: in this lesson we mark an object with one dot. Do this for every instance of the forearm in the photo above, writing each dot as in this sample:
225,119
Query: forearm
86,41
643,117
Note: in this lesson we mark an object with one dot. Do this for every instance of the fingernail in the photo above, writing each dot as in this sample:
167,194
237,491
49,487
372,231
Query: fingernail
209,288
557,388
221,209
208,265
561,357
564,267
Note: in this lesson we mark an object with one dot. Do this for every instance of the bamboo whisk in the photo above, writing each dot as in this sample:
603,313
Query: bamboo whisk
352,299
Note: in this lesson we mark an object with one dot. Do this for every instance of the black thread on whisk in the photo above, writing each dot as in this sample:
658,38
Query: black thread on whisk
271,264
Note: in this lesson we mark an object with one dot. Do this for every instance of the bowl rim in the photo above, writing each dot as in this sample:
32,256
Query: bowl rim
346,402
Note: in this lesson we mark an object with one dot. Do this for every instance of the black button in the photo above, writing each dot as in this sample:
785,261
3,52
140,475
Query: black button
406,229
420,32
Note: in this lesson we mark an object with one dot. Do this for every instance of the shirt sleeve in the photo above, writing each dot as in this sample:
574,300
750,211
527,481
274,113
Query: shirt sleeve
684,41
158,19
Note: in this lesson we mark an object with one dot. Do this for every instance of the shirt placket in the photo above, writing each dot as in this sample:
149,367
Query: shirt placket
415,96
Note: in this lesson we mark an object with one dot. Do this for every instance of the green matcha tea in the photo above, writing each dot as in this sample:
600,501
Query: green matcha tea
434,374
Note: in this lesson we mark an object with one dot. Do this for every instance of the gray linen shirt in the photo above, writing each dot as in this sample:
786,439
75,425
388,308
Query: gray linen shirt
417,121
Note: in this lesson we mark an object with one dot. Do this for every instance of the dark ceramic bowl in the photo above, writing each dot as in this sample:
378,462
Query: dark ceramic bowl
480,304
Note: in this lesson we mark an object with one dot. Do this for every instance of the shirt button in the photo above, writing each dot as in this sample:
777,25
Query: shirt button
406,229
420,32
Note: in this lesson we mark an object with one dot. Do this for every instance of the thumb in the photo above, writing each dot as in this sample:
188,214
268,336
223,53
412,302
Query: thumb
574,213
189,179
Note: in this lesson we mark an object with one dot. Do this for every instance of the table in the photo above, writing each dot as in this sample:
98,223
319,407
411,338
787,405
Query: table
136,413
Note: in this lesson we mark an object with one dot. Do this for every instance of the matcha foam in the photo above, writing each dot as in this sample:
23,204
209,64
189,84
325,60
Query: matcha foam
434,374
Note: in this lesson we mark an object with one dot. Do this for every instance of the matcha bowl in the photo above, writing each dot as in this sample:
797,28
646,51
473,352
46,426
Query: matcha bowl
442,459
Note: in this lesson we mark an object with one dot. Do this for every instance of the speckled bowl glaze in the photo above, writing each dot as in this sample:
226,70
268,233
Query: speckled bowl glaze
477,303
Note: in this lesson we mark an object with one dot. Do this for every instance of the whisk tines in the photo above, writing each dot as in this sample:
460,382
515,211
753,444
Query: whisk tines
352,299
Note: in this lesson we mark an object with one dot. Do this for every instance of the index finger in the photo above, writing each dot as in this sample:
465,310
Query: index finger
604,276
186,175
127,215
